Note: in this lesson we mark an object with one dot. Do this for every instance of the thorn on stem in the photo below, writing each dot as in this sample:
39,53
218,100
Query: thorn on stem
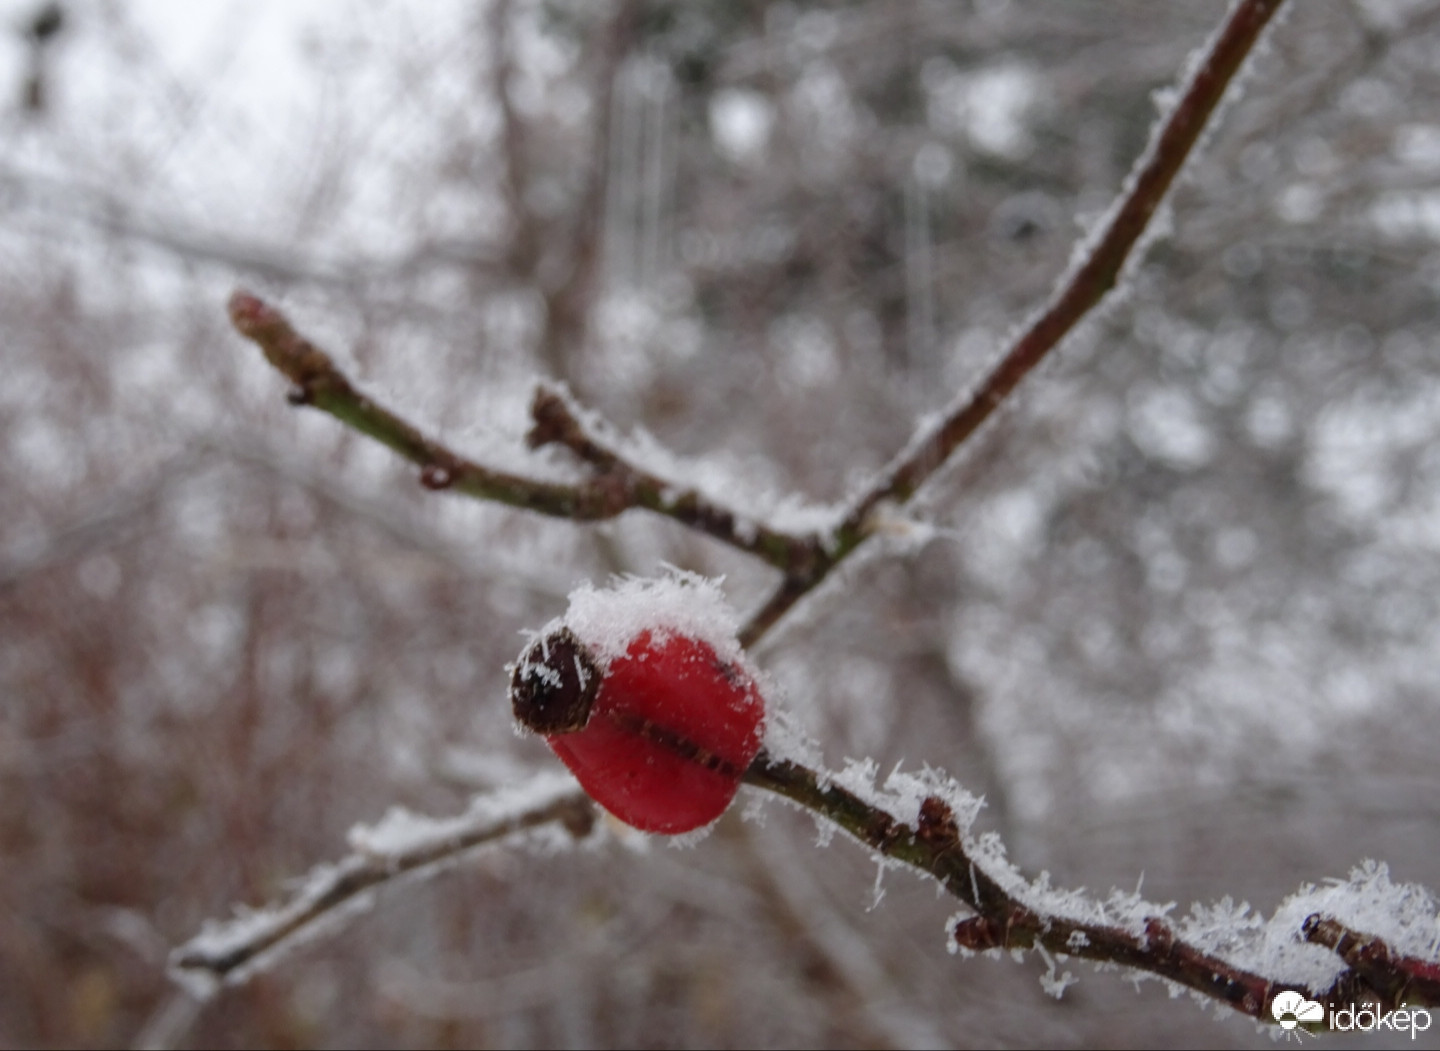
434,476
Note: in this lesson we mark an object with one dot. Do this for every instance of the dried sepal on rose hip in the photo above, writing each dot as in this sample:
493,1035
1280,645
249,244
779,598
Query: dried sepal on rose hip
642,691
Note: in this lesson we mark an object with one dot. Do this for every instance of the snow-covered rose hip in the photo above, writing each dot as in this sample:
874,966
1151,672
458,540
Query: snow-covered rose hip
658,723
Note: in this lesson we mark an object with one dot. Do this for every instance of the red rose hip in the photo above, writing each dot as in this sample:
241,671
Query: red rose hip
659,736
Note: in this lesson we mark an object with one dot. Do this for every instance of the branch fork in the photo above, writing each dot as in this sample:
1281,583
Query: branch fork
1006,912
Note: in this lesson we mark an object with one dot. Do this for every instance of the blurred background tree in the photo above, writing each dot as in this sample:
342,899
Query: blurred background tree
1176,616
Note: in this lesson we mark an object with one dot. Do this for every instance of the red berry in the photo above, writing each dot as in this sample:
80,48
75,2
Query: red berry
660,737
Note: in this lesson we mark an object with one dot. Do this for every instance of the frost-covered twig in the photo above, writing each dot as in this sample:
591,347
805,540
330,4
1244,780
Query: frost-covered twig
618,485
558,420
402,844
1401,978
1099,261
1224,954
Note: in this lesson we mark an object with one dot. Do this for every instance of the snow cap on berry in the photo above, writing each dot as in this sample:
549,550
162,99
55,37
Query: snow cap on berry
679,603
642,690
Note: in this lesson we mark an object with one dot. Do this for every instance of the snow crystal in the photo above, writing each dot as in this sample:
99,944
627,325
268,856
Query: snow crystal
784,738
1054,984
401,832
713,478
680,603
824,831
878,894
332,894
858,777
754,811
902,534
1405,916
217,940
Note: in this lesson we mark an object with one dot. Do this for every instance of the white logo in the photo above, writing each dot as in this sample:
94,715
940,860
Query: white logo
1290,1009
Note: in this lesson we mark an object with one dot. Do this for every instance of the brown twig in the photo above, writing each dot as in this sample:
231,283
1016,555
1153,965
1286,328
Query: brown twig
1396,979
1008,912
1079,292
568,300
1002,920
559,421
617,485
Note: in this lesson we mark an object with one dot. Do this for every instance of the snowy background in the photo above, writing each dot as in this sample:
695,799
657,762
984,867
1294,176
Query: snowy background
1176,613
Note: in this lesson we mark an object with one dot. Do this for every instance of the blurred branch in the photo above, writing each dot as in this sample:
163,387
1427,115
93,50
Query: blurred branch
106,523
405,530
1101,260
860,989
514,174
568,300
402,845
618,485
68,200
562,263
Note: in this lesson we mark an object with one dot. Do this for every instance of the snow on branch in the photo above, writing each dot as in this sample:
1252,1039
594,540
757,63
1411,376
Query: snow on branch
1376,963
1362,937
1223,953
805,558
1101,258
401,845
618,484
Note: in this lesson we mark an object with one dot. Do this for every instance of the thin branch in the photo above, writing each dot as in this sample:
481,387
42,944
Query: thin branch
1079,292
406,531
936,845
569,300
1004,919
513,175
1009,913
73,202
1398,978
108,522
403,845
559,421
617,486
